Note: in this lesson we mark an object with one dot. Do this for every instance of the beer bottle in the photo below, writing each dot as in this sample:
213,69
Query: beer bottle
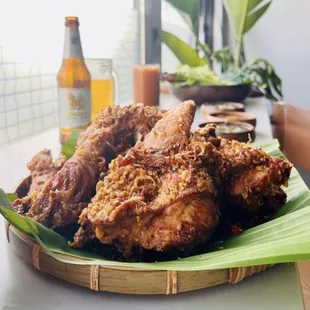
73,83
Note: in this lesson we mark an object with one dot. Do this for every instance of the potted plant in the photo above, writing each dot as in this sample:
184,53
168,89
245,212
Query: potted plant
195,78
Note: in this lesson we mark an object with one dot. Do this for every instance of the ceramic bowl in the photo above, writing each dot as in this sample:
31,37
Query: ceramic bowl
242,132
212,94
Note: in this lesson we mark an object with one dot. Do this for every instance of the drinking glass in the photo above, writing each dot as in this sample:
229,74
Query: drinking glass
104,84
146,84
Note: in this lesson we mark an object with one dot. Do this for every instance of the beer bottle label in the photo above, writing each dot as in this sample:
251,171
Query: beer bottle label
74,107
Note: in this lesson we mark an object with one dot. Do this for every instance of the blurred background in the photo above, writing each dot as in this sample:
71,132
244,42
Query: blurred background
31,44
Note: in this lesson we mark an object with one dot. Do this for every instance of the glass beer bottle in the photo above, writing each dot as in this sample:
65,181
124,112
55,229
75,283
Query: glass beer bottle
73,83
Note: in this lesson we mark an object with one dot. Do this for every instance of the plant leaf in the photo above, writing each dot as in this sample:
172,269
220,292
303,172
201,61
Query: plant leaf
68,148
254,16
253,10
225,58
185,53
262,75
11,196
5,200
52,240
202,75
189,11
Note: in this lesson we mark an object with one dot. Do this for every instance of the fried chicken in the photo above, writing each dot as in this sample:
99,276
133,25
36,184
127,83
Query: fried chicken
168,192
250,180
42,167
160,195
66,193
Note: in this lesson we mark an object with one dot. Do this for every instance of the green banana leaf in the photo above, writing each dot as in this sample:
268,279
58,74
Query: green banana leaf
5,200
68,147
284,238
10,196
244,14
185,53
189,11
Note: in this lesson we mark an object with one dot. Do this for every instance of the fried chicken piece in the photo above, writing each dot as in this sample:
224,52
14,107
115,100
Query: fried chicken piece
42,167
62,198
142,126
251,179
159,196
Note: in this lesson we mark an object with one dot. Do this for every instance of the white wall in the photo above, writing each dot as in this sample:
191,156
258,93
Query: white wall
282,36
33,30
31,44
172,22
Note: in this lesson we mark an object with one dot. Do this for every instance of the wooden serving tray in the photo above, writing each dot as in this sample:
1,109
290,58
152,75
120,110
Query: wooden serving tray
119,279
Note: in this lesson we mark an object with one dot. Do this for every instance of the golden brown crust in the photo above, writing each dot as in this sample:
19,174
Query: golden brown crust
42,167
64,195
165,193
159,196
251,179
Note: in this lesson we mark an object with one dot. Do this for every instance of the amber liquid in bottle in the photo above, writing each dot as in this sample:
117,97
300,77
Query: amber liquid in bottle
73,84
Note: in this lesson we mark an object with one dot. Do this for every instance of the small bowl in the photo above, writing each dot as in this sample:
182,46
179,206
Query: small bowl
234,131
212,94
243,117
230,106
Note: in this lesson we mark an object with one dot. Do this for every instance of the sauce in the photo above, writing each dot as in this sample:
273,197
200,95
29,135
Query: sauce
230,106
229,128
228,117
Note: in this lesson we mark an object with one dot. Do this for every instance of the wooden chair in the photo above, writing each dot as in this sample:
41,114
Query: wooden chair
291,126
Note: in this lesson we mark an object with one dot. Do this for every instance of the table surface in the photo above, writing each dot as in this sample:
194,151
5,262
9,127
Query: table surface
23,287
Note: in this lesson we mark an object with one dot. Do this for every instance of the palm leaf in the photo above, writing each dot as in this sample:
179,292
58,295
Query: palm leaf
242,16
285,238
185,53
189,11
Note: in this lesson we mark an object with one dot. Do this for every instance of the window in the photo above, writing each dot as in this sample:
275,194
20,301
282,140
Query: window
32,36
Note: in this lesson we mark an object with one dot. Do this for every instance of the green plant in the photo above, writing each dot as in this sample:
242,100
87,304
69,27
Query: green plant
225,57
242,15
188,10
184,53
202,75
263,76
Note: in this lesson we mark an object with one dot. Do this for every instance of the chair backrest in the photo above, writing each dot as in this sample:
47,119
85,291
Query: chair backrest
291,126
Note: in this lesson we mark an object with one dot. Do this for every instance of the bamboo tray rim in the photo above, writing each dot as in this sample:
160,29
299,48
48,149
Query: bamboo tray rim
119,279
174,281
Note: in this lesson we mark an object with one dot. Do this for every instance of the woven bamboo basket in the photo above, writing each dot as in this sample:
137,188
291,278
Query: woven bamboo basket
120,279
